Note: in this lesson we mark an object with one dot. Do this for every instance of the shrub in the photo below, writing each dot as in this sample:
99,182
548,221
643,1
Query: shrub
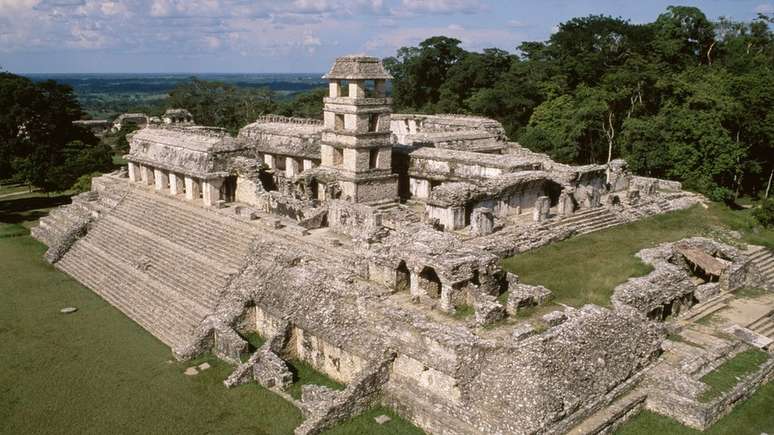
764,213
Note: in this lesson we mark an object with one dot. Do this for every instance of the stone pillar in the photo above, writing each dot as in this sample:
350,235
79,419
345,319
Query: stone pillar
416,290
192,188
596,197
161,179
446,298
146,174
308,164
176,184
269,160
542,209
419,188
481,222
566,206
291,167
133,172
633,196
211,191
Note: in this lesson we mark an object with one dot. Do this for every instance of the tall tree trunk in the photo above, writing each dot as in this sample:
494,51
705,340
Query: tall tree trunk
610,132
768,186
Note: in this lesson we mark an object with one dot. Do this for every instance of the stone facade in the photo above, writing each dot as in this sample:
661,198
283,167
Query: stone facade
357,244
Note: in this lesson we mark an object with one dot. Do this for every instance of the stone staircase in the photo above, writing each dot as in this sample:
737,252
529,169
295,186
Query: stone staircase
763,259
764,325
707,308
587,221
161,261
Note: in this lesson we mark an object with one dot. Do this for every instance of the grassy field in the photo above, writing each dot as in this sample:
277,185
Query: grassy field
753,417
725,377
96,371
585,269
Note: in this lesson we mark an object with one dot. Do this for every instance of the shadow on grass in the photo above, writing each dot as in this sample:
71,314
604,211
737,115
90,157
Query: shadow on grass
18,210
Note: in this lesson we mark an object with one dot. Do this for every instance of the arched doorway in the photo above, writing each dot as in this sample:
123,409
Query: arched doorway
430,283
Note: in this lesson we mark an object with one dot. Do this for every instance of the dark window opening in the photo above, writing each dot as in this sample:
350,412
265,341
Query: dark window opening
402,277
338,157
373,122
430,282
373,158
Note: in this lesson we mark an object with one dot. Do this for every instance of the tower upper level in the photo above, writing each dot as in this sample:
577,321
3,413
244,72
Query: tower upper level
358,77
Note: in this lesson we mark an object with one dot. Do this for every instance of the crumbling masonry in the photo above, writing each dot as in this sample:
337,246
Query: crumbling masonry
348,243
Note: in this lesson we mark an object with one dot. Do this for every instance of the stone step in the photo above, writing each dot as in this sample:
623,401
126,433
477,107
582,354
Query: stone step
707,308
600,421
198,287
170,320
199,239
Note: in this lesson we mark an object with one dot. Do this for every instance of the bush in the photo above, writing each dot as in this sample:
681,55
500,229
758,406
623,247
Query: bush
764,213
83,184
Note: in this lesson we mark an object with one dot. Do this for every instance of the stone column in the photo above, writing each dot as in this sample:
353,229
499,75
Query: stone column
419,188
161,179
566,206
291,167
211,191
133,172
542,209
269,160
176,184
146,174
191,188
446,298
482,222
308,164
416,290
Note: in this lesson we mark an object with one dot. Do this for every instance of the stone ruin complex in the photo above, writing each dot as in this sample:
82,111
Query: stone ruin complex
350,243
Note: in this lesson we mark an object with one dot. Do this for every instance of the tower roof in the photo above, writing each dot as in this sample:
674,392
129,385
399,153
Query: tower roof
357,67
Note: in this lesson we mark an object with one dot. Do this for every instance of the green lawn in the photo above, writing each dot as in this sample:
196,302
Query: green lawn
752,417
725,377
585,269
98,372
304,374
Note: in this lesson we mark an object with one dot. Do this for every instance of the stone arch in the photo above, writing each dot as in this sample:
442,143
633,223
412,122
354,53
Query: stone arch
430,282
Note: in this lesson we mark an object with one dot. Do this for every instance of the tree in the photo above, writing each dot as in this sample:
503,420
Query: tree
39,145
222,105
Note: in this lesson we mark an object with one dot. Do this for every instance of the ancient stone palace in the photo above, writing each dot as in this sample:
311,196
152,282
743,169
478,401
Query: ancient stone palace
358,243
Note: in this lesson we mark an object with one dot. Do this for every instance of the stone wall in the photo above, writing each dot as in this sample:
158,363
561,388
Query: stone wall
354,220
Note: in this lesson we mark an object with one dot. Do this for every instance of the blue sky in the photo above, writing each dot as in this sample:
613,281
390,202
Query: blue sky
284,35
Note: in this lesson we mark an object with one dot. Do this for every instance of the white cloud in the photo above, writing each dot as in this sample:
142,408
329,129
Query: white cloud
441,6
766,8
471,38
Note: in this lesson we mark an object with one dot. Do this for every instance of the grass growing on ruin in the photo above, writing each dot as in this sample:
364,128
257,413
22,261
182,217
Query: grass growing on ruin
750,293
304,374
725,377
365,424
585,269
752,417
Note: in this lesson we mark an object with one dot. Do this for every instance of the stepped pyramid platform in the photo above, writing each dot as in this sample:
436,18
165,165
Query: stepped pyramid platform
161,261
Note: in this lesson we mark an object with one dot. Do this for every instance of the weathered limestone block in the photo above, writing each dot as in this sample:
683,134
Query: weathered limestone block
633,196
566,205
271,371
542,209
228,345
211,191
522,296
482,222
554,318
488,310
707,291
359,395
618,177
523,331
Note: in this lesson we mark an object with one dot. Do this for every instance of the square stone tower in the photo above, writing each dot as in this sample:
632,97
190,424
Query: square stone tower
356,138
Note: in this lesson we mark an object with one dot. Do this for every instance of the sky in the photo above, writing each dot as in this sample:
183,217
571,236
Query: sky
263,36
